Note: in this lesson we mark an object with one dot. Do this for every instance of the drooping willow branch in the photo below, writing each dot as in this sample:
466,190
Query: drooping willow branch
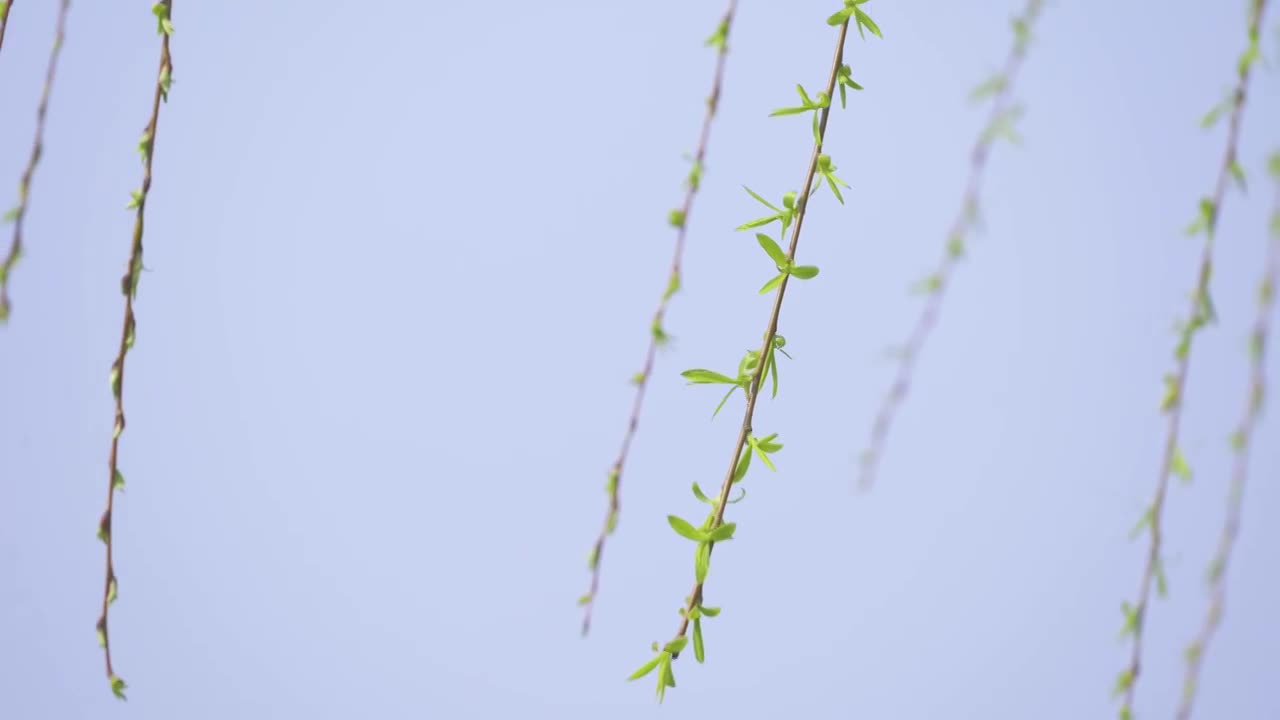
756,365
19,213
129,287
658,335
999,124
1200,313
1241,442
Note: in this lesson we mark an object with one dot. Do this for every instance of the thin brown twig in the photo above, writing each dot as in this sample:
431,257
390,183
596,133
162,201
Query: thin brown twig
1242,439
802,210
19,213
1177,382
941,278
129,285
656,334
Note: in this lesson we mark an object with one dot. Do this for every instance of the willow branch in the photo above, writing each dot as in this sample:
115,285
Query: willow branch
129,286
680,218
1242,440
1199,313
722,501
960,228
19,213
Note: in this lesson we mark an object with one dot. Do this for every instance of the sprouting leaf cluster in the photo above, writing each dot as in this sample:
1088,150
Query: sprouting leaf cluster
746,372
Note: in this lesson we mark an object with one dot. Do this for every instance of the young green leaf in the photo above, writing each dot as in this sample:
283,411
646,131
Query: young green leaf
764,457
842,15
761,200
1143,523
828,170
163,25
783,216
775,253
1123,681
744,463
666,678
773,283
723,400
771,368
722,533
697,492
646,668
804,272
699,376
768,445
780,342
1179,465
1237,174
675,646
864,21
807,104
699,652
989,87
684,529
845,78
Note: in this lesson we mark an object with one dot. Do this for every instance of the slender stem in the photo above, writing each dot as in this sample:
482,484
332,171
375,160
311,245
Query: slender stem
656,336
941,279
37,148
1242,440
1178,381
802,209
129,286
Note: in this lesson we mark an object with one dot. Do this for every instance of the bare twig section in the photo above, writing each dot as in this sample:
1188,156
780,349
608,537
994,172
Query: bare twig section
129,286
5,6
679,218
19,213
1200,313
1241,440
1001,87
722,501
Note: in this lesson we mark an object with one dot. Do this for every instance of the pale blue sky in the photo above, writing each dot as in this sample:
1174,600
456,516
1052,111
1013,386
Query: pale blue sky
401,263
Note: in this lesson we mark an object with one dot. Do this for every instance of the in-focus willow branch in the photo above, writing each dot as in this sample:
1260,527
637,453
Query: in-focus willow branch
658,335
129,286
19,213
999,124
1241,442
722,499
5,6
1200,313
757,364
